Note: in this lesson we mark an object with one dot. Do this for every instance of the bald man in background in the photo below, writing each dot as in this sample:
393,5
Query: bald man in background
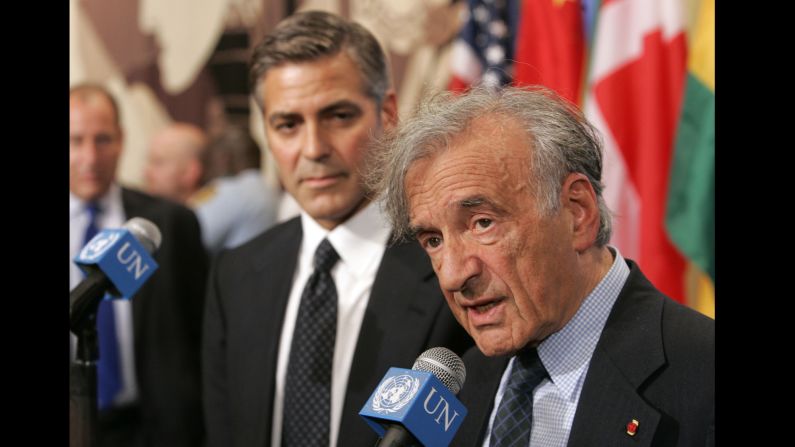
174,165
235,204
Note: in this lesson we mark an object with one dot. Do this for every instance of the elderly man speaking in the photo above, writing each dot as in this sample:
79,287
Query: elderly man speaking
575,346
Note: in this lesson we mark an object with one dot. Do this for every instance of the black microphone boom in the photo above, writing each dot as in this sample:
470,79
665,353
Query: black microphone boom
398,436
84,299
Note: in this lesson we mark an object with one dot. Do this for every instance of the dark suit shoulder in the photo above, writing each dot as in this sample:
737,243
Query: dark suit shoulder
685,331
138,203
278,242
266,261
274,236
688,329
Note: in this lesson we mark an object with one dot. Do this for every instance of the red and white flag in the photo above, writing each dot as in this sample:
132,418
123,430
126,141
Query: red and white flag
634,95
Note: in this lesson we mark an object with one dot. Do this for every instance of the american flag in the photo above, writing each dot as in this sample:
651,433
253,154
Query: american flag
484,50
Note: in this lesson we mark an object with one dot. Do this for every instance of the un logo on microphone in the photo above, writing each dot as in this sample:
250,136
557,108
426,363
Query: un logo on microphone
98,245
394,393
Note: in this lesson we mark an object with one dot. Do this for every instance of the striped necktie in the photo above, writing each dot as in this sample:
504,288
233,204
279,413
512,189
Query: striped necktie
514,419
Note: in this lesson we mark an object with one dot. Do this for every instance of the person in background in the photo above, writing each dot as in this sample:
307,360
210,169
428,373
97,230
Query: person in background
304,320
148,368
236,203
575,347
174,167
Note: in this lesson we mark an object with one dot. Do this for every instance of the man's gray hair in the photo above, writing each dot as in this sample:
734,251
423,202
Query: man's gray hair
563,142
313,35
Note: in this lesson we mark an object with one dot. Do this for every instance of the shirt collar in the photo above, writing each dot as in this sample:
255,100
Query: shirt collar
359,241
567,352
110,203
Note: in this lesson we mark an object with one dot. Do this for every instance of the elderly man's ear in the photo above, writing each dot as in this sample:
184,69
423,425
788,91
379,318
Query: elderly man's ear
579,199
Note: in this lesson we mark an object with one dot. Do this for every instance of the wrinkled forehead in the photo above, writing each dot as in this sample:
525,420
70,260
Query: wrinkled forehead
486,168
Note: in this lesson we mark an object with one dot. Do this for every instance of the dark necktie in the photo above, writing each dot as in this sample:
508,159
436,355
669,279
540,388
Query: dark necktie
307,394
514,418
108,366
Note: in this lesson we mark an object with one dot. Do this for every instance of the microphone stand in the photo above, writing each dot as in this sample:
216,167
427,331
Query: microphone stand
84,302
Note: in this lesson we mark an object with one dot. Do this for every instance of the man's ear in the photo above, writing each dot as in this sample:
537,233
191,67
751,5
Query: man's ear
579,198
389,110
193,172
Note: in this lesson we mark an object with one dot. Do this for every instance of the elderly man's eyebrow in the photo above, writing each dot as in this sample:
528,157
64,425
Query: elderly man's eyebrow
413,231
480,203
472,202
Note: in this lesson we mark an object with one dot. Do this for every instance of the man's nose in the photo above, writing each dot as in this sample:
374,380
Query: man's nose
316,145
458,267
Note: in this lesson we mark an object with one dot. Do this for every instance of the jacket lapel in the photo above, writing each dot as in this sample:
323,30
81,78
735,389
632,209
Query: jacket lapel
264,292
629,351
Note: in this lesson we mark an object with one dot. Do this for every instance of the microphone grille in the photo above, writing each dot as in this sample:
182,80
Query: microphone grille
445,365
145,232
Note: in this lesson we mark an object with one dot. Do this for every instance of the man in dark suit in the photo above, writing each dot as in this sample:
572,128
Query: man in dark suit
323,87
153,391
574,346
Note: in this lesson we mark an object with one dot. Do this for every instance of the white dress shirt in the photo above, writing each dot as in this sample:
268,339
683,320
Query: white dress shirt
110,216
566,355
360,243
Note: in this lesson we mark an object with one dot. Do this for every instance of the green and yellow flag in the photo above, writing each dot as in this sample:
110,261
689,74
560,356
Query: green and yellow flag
690,216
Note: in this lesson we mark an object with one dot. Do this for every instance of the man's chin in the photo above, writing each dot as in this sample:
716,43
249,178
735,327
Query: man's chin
89,193
492,342
332,207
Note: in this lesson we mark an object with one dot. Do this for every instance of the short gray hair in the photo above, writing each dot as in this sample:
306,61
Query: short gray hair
563,142
313,35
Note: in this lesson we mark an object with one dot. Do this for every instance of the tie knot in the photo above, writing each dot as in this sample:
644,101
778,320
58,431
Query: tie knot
528,371
325,256
92,208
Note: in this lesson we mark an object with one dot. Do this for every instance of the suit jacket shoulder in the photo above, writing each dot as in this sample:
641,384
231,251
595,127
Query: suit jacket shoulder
654,363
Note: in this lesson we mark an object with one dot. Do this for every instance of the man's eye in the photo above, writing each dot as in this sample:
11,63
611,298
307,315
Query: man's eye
483,223
434,241
287,125
103,140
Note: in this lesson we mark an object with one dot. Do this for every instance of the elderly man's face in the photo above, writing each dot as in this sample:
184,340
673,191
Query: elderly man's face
319,123
502,266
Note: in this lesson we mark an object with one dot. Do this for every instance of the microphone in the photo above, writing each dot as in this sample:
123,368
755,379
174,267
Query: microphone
116,261
418,406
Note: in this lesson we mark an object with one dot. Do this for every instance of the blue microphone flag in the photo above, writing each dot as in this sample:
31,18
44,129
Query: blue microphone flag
121,257
418,401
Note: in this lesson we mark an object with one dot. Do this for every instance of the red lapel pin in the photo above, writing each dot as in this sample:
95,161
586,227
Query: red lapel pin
632,427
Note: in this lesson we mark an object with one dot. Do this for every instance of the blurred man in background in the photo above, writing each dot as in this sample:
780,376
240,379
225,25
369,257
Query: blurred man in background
236,203
148,368
174,165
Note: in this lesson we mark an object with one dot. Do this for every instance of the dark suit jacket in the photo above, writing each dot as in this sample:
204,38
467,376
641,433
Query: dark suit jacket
246,299
167,313
654,362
